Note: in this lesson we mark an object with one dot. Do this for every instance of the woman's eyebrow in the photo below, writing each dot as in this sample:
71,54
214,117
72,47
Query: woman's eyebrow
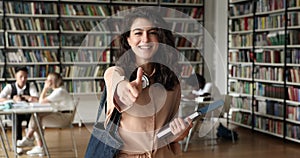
140,29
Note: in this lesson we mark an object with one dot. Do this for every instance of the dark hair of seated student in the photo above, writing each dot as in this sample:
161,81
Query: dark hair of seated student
21,68
197,81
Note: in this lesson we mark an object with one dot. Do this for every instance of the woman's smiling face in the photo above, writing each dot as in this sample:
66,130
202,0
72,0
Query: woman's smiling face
143,40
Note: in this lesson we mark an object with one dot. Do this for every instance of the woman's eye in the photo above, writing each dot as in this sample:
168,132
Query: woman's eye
138,33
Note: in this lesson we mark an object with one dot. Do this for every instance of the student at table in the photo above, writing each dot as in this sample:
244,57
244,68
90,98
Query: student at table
60,100
199,85
21,90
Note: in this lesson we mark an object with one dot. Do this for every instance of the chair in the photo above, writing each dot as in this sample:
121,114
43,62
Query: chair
3,133
196,122
70,126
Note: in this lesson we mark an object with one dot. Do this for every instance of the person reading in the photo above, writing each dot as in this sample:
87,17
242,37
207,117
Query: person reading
200,86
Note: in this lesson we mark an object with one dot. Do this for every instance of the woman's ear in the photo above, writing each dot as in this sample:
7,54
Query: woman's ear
128,41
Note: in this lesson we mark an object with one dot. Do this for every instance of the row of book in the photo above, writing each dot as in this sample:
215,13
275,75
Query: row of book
293,75
270,21
265,22
241,40
187,69
294,18
189,41
293,113
186,27
241,9
92,70
80,25
262,6
269,73
265,56
194,12
181,1
84,10
190,55
293,56
86,56
293,131
294,93
278,38
242,24
270,39
270,5
270,90
32,40
270,107
89,40
83,86
20,7
265,39
240,55
2,57
242,118
31,24
241,87
269,125
25,56
175,12
241,70
73,40
242,103
269,56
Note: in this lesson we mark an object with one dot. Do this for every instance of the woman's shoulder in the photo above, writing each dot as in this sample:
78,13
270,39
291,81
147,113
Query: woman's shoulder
113,69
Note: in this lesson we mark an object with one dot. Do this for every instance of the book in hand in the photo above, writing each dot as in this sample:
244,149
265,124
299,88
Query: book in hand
208,108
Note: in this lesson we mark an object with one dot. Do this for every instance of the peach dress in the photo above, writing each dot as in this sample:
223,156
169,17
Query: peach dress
140,122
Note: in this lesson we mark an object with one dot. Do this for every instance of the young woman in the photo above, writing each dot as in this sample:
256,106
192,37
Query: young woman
61,100
145,88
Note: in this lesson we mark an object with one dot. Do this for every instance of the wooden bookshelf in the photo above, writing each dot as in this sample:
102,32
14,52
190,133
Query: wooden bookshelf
263,47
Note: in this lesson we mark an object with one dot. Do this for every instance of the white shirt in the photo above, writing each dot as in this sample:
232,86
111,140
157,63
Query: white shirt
206,89
7,90
61,99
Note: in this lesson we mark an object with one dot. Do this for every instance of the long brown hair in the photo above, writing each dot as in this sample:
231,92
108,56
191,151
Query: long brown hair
165,61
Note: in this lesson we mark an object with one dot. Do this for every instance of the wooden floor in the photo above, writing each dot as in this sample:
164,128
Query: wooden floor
249,145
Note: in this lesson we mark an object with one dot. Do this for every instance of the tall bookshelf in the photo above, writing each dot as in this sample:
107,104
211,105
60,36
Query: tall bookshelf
31,38
263,77
51,35
2,58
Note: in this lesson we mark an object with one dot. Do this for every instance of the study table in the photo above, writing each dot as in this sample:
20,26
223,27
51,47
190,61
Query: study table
195,103
27,108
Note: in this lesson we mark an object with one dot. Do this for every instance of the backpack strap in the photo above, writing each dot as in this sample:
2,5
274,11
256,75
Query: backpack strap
103,103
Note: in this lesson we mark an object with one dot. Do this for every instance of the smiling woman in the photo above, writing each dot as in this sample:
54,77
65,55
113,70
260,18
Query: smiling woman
144,87
143,40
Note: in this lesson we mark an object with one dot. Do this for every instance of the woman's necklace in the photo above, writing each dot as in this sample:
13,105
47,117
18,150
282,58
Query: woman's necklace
146,79
153,72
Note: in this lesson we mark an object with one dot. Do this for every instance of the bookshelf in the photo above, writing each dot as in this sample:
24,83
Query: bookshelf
263,44
2,57
51,35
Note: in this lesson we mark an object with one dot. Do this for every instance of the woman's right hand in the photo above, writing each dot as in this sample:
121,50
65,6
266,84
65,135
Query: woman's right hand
128,92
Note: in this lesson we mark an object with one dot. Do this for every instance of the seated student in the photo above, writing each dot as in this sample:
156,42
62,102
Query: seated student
21,90
200,86
61,100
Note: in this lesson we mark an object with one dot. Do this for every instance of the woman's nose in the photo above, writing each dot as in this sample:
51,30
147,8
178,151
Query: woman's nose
145,37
